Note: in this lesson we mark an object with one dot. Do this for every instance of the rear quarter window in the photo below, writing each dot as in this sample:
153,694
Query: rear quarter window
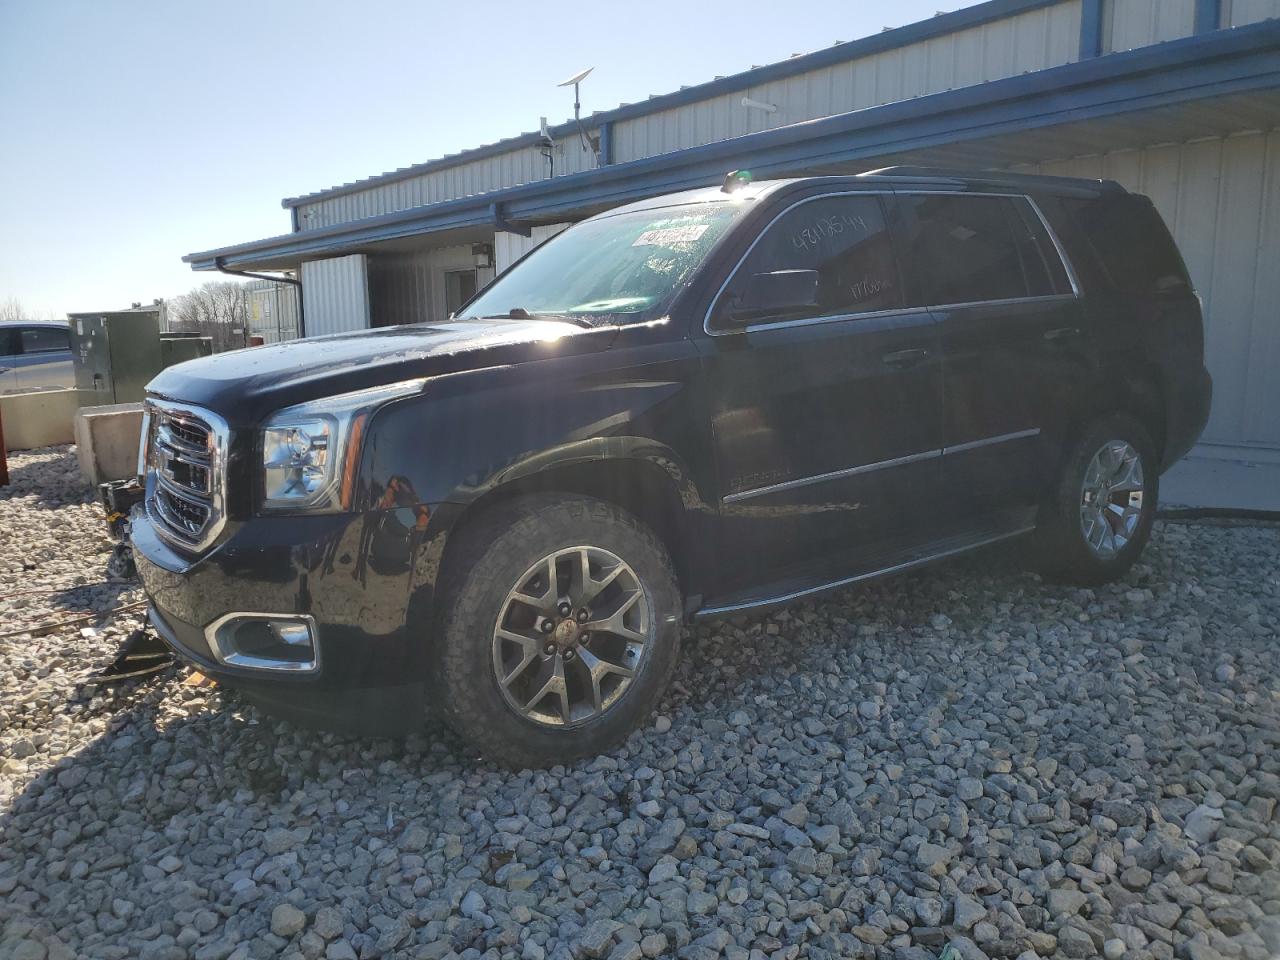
1132,245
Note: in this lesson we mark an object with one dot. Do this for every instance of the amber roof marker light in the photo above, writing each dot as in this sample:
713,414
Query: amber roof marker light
734,179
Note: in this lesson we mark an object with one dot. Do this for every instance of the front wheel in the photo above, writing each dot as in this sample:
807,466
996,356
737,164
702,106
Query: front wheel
559,630
1097,520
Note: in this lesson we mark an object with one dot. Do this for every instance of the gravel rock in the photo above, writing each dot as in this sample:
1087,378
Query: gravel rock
966,755
286,920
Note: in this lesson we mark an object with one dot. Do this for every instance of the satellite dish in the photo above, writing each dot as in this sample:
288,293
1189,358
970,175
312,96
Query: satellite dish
576,78
573,81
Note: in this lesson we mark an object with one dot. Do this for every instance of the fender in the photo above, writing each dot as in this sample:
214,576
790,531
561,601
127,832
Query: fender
559,423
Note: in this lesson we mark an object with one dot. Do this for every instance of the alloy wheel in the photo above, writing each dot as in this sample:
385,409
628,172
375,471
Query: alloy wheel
571,636
1111,498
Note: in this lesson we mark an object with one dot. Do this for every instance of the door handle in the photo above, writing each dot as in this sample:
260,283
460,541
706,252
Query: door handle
905,358
1062,333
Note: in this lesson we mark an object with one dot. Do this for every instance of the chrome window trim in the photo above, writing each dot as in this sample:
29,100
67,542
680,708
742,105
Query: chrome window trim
247,662
1067,266
215,501
826,318
879,465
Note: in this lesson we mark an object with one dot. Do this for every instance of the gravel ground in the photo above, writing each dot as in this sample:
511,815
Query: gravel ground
963,757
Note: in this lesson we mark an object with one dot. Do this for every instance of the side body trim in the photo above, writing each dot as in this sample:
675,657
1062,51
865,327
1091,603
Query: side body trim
879,465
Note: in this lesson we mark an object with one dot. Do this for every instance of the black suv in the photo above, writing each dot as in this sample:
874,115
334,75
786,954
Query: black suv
693,405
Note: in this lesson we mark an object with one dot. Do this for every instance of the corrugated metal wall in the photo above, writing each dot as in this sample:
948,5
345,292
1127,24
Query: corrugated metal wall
335,294
1029,41
1237,13
1221,198
510,247
504,170
1138,23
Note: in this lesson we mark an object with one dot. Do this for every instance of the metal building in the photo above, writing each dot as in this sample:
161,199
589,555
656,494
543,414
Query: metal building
1179,99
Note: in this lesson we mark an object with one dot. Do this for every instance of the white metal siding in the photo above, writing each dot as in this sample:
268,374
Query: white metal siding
523,165
1237,13
1025,42
1221,198
510,247
1139,23
335,294
1029,41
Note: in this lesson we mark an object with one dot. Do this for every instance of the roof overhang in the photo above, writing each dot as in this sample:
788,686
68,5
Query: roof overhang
1229,66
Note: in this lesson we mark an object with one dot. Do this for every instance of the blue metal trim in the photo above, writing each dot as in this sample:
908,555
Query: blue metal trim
1090,29
606,143
940,25
1208,15
501,222
1247,58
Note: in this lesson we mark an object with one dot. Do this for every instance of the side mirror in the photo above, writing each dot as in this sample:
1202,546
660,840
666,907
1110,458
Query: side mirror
782,291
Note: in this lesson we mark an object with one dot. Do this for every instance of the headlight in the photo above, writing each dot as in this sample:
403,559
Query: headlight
310,452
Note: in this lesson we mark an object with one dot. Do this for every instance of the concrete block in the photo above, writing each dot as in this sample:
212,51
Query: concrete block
107,441
38,418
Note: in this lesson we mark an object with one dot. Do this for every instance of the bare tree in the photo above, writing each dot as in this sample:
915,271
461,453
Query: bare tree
11,308
217,309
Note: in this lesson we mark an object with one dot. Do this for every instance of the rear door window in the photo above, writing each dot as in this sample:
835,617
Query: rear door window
9,344
843,238
970,248
45,340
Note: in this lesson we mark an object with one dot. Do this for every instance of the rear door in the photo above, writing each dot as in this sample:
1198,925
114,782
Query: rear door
45,359
1016,355
826,423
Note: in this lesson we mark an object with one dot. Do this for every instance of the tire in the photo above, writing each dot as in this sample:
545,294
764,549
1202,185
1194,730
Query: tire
495,572
1072,543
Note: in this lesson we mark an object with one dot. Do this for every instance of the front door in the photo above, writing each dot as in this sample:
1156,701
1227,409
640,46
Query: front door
826,422
1015,354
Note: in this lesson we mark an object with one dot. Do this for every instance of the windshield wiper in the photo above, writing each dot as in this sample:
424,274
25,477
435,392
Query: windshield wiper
520,313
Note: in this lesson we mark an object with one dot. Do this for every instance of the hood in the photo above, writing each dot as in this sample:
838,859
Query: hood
246,385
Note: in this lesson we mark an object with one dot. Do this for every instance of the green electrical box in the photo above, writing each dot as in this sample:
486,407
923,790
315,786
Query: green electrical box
180,347
115,354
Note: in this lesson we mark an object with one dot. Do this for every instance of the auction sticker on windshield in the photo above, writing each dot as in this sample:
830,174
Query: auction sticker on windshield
670,235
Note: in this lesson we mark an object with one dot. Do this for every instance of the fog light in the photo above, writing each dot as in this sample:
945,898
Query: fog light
265,641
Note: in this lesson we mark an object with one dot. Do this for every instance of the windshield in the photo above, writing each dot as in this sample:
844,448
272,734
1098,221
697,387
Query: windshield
625,268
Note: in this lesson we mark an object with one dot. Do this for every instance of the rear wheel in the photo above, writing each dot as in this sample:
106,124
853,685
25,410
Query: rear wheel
559,631
1098,519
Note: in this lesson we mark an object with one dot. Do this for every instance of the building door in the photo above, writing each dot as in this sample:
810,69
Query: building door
459,287
826,422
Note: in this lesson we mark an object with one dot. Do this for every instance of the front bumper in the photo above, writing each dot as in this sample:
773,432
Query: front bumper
362,578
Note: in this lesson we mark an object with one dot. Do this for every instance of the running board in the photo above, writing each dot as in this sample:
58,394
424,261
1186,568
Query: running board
786,591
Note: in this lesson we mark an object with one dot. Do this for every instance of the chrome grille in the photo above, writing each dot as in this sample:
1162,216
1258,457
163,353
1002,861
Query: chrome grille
186,466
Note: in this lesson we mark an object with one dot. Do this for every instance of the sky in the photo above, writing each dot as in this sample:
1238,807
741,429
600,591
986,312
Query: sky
136,132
